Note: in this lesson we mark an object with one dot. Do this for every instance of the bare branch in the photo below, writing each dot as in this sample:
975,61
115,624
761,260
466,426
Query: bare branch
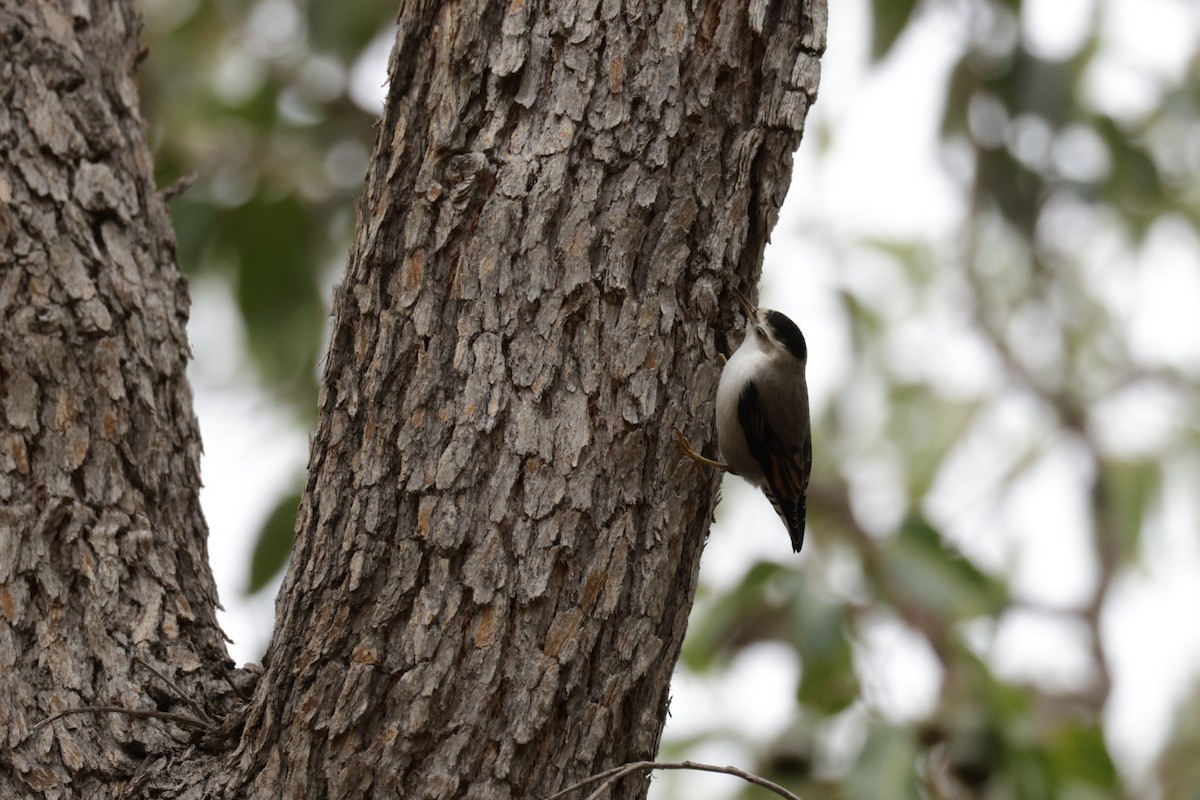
611,776
200,712
143,713
181,185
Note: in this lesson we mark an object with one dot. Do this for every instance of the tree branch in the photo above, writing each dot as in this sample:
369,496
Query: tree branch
611,776
200,712
180,719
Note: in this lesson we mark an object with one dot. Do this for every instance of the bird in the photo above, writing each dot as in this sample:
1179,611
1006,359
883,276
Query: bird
763,429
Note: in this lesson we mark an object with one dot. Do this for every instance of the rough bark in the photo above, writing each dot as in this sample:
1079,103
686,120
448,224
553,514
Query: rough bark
498,545
102,544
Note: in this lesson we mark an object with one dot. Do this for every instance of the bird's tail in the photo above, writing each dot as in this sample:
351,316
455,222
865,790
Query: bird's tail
792,515
796,531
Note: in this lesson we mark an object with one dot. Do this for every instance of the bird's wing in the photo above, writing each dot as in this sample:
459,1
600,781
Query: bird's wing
785,466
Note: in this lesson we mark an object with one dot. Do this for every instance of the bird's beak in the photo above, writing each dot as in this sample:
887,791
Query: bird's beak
747,306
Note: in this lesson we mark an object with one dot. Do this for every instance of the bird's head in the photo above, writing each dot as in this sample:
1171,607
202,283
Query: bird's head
773,332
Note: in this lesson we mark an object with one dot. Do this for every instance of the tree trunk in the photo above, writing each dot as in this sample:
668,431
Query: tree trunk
498,545
103,555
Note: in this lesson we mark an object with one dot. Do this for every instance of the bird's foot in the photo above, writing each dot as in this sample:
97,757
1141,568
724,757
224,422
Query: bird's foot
698,460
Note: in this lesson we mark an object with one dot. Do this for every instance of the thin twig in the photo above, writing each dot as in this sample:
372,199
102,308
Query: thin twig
181,185
243,694
200,712
590,779
611,776
190,722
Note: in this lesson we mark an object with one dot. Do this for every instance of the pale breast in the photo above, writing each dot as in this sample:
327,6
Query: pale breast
741,366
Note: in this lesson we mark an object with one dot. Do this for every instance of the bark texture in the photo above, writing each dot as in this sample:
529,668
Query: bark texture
102,544
497,550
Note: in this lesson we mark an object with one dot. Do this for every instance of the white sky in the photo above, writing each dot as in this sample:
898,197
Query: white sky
887,185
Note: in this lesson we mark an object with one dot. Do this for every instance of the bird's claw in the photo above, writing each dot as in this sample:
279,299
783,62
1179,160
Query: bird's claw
698,461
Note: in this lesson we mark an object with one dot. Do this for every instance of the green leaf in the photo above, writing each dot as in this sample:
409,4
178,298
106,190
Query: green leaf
1135,188
277,292
1129,487
195,223
348,27
889,19
1178,768
274,544
939,578
1035,86
828,682
1012,188
741,616
886,768
925,426
1078,753
963,84
975,751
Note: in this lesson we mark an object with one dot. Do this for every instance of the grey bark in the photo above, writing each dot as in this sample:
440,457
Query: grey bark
498,545
102,544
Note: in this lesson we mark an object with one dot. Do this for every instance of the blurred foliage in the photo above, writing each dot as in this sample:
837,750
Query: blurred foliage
274,544
1062,192
1179,769
256,100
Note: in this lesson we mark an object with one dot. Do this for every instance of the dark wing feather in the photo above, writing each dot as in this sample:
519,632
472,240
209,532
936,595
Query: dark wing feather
786,468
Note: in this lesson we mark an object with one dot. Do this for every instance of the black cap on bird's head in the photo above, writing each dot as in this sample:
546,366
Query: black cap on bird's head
777,327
